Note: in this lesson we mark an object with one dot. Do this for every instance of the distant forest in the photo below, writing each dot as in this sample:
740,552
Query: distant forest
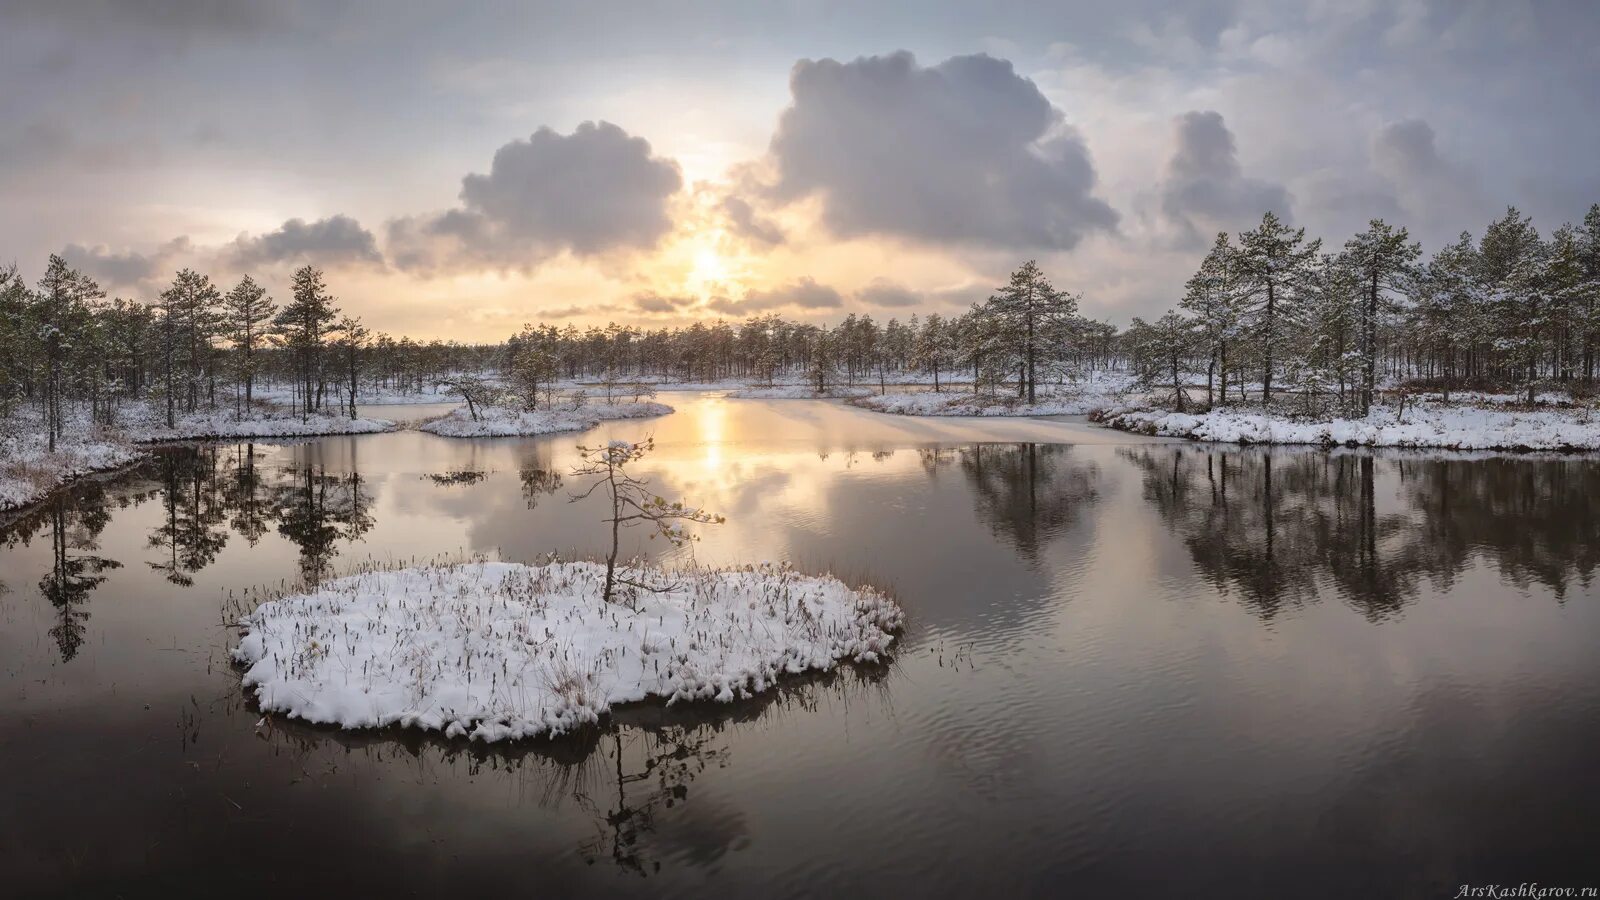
1268,318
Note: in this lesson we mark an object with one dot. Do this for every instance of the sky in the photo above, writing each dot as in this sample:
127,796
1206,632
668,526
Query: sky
461,169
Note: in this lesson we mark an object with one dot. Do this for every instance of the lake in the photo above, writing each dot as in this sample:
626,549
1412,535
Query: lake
1148,667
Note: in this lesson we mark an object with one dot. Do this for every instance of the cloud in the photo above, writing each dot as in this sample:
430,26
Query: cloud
127,269
651,302
1427,183
176,19
595,190
803,293
336,240
1204,190
964,152
886,293
744,222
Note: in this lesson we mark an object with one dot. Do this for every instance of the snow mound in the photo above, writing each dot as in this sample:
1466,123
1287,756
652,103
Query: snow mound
1423,425
497,421
498,651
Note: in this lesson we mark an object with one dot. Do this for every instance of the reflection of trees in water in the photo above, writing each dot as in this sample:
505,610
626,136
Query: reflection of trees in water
1275,526
538,474
1535,519
206,494
206,491
74,569
632,779
317,511
1026,493
193,530
75,519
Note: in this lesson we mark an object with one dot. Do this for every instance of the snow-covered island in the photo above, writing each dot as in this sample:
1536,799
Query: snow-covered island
495,651
509,421
1423,424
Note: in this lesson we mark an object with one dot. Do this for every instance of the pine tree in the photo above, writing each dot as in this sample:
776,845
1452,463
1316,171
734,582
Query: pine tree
1212,297
194,305
1034,319
247,314
1511,268
59,319
305,324
1275,265
1383,259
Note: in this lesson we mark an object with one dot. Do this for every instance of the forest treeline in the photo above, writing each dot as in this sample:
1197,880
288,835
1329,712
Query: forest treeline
1273,314
1267,318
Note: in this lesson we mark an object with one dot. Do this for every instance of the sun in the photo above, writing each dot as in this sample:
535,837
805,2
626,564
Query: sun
709,267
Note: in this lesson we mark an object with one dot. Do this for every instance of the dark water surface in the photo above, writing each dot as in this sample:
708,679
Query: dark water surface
1155,668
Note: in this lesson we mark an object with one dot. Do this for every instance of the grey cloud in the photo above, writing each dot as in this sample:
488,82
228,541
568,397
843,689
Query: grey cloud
1204,190
652,302
174,19
803,293
1438,195
743,220
335,240
888,294
595,190
965,151
126,269
1405,150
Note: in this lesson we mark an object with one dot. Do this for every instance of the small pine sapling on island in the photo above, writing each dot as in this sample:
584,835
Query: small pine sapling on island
633,504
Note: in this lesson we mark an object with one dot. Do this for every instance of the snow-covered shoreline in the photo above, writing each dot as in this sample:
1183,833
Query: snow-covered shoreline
220,425
1103,391
30,472
1424,425
498,421
797,392
496,651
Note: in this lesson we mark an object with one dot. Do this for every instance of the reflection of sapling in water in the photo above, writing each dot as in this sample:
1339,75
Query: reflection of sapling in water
632,504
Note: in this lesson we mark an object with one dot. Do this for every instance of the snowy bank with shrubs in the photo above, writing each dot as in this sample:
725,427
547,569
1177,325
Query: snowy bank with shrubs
504,421
29,471
1423,424
1104,390
497,651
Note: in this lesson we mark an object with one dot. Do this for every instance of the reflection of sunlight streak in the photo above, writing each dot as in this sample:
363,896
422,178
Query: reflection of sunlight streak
713,419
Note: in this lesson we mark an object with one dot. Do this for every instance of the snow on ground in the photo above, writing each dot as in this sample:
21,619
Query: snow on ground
366,396
29,471
1423,425
262,423
797,392
501,650
499,421
1105,390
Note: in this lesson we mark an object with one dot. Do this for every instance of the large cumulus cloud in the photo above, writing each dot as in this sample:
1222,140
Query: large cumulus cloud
589,192
1204,190
966,151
